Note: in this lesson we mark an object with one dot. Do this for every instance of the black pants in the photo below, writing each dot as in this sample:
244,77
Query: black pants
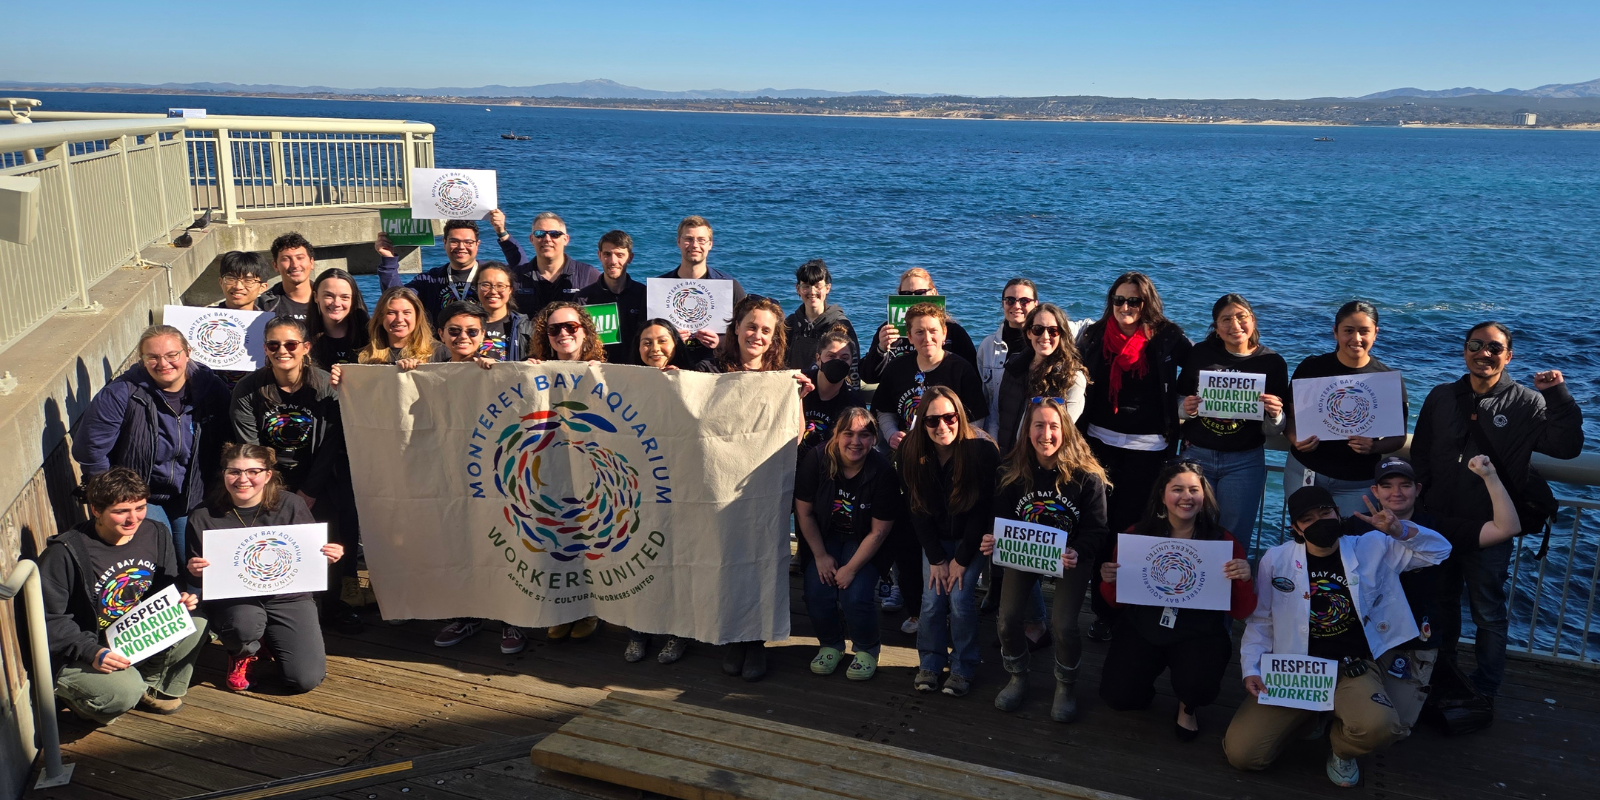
902,550
1128,679
287,624
1132,474
1064,612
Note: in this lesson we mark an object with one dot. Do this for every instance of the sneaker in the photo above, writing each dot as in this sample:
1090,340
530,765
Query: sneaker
1345,773
909,626
926,681
890,598
511,640
456,632
635,651
158,703
584,628
1100,631
673,650
957,685
556,633
239,671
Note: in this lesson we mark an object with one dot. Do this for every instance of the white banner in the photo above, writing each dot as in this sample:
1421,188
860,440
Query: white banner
1179,573
692,304
541,494
222,338
1029,546
1368,405
1300,682
1232,395
255,562
159,622
453,193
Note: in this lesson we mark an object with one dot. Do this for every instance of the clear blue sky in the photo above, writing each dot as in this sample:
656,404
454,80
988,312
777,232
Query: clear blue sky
1282,49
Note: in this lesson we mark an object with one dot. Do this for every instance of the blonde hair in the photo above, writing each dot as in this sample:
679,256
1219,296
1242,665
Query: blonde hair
918,272
1073,458
693,221
418,344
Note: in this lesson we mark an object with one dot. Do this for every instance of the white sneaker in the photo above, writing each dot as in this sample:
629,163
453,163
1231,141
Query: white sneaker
1343,773
889,598
909,626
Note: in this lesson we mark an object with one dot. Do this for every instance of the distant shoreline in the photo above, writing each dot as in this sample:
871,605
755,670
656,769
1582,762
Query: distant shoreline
790,110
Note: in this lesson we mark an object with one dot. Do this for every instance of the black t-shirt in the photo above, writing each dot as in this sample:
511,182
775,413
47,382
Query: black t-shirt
121,576
1335,458
630,315
290,430
291,510
902,384
281,305
855,501
330,350
494,339
821,414
1336,629
1230,435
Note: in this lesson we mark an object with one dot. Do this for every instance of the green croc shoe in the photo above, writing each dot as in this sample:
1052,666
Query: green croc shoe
827,661
865,666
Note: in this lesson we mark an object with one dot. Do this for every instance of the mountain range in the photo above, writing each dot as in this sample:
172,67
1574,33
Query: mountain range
1587,89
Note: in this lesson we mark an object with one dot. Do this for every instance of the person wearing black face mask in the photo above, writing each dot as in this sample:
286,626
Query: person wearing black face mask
1337,597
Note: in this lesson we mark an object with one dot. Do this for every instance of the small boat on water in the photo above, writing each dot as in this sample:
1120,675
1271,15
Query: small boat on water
1323,139
513,135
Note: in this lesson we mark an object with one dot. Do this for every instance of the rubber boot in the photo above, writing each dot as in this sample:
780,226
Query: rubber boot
1065,707
733,658
1015,692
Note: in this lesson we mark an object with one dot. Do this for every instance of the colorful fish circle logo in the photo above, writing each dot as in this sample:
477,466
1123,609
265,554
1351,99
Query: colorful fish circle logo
592,520
123,592
455,194
218,340
288,427
1172,573
1330,608
1351,409
692,304
268,560
1041,510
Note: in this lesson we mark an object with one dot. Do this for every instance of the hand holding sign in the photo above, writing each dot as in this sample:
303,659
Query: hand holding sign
1031,547
1177,573
159,622
1230,395
1368,405
1301,682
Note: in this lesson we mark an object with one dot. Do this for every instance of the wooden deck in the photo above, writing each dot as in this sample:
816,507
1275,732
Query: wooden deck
392,696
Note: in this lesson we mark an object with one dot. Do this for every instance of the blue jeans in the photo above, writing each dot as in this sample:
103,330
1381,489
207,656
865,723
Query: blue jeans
1239,479
173,515
859,600
1484,572
1347,494
947,632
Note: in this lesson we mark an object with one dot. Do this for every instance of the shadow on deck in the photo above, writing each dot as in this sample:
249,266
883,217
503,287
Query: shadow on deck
391,695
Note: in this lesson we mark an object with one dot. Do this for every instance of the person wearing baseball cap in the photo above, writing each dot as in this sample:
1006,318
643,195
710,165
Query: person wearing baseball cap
1338,597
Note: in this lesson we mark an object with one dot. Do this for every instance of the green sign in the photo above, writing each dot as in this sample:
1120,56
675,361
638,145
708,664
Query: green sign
900,303
607,322
402,230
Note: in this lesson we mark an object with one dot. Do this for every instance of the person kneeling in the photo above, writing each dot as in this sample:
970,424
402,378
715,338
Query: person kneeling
94,573
1334,597
281,626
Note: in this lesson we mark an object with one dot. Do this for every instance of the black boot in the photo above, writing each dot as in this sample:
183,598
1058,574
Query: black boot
733,658
755,661
1065,707
1015,692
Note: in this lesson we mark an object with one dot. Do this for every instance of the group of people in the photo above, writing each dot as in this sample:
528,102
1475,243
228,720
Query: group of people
1091,426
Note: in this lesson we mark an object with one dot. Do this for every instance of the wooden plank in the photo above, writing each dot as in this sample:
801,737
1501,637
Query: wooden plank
93,777
661,774
137,757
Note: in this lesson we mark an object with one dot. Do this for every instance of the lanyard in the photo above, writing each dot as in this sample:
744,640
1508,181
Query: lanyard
466,286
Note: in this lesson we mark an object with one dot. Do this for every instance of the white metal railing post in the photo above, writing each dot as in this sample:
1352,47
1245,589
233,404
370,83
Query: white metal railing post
161,187
63,153
410,158
230,200
24,580
124,143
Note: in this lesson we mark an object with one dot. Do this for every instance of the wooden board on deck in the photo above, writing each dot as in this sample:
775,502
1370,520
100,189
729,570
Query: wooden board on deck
699,753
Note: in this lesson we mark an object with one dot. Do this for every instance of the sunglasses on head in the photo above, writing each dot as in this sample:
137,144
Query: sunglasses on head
551,234
1492,348
1038,400
1130,302
289,346
456,330
1040,330
558,328
914,292
953,419
1018,301
1180,460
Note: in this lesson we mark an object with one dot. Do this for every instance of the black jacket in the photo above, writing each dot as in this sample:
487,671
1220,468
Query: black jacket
70,613
1168,351
803,335
937,525
1516,420
956,342
877,466
631,304
327,471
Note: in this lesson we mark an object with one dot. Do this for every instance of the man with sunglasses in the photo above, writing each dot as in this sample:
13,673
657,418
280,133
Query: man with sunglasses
1486,412
551,275
455,281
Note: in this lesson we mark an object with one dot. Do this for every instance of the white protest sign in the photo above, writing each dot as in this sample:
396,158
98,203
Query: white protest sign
222,338
1232,395
453,193
1179,573
150,627
1028,546
1298,682
1369,404
253,562
692,304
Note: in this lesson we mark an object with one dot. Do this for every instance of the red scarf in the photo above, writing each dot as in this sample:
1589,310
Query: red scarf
1126,354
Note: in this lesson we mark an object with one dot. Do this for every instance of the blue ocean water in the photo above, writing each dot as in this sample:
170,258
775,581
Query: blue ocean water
1438,228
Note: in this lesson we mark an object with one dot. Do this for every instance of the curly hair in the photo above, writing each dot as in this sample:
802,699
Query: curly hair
112,487
592,349
775,358
1060,369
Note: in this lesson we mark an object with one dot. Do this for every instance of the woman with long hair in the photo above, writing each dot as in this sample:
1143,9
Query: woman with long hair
563,331
290,405
340,326
1130,417
947,471
282,627
846,497
1193,644
507,334
398,331
1233,451
1050,478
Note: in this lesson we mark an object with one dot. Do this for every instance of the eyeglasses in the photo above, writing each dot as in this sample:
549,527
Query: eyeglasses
1238,320
486,286
1053,331
1492,348
453,331
231,280
1018,301
1130,302
289,346
549,234
171,358
557,328
701,240
914,292
251,473
1040,400
953,419
460,242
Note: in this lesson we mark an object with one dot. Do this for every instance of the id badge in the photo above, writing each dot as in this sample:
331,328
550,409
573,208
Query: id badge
1169,618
